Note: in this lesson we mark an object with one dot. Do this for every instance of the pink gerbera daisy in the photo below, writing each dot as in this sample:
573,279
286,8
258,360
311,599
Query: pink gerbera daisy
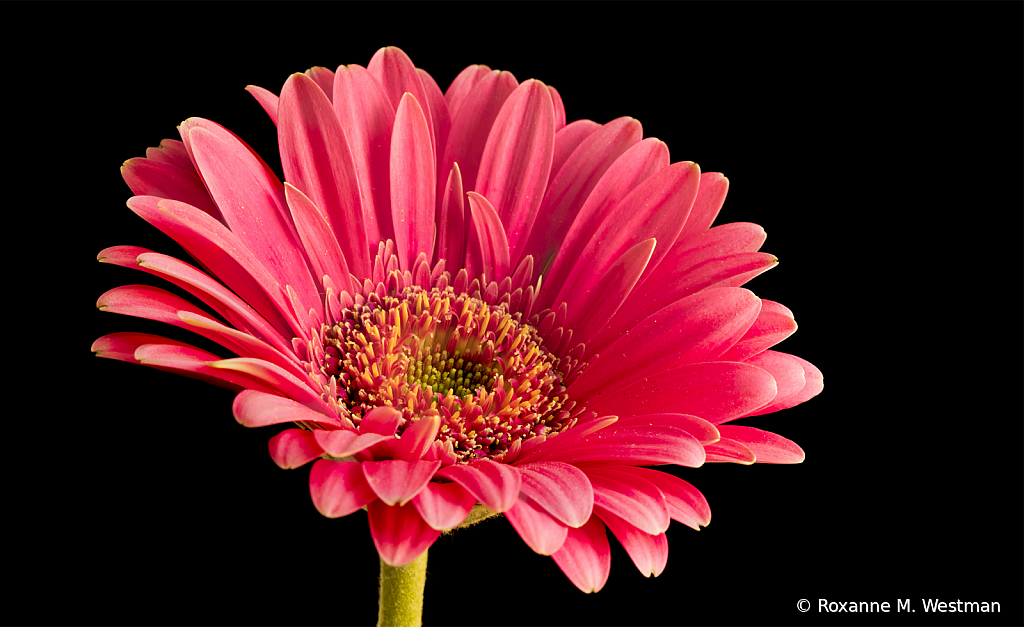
465,306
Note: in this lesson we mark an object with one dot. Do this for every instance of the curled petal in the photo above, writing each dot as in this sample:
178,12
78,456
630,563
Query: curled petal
443,505
495,485
259,409
399,533
395,481
585,556
343,443
538,529
767,447
338,488
293,448
648,552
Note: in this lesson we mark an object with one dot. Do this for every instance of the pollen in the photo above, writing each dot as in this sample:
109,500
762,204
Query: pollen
478,367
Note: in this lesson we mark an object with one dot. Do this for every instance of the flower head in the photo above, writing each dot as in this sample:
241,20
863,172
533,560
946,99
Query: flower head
461,301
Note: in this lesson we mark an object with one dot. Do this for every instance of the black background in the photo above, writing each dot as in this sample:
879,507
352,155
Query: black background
879,145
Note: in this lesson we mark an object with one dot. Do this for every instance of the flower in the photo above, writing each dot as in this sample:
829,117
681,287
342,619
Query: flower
463,302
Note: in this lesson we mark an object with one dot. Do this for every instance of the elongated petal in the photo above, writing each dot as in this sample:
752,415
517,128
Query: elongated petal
487,248
343,443
417,438
707,204
769,448
494,485
704,431
715,391
472,121
648,552
598,297
267,99
395,481
412,183
727,450
147,177
462,84
787,370
696,329
367,118
443,505
560,489
538,529
634,499
258,409
396,73
316,159
586,557
685,503
399,533
774,324
657,208
251,199
321,246
575,180
634,166
567,140
516,161
813,384
220,250
338,488
451,225
638,444
293,448
274,377
440,118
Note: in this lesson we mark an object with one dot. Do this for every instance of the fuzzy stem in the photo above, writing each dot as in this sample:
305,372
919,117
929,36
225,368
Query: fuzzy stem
401,593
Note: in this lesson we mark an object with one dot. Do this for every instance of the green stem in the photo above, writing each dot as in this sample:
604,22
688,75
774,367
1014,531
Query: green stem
401,593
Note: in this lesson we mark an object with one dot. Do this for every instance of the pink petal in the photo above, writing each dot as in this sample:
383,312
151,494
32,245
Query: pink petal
567,140
556,101
412,183
487,249
268,100
813,384
383,420
321,246
516,161
726,450
324,79
774,324
197,363
788,372
769,448
586,557
495,485
556,445
241,343
367,118
399,533
639,445
417,438
223,253
696,329
536,527
122,346
462,85
344,443
395,72
443,505
704,431
648,552
710,197
293,448
596,298
656,208
575,180
338,488
715,391
147,177
632,168
560,489
258,409
222,300
634,499
274,377
395,481
172,152
472,121
251,199
451,227
440,118
316,159
685,503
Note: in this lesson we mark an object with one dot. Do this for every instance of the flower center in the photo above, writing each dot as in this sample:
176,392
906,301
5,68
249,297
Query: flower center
432,352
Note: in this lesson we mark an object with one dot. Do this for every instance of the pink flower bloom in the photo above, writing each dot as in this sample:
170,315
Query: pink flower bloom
462,300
